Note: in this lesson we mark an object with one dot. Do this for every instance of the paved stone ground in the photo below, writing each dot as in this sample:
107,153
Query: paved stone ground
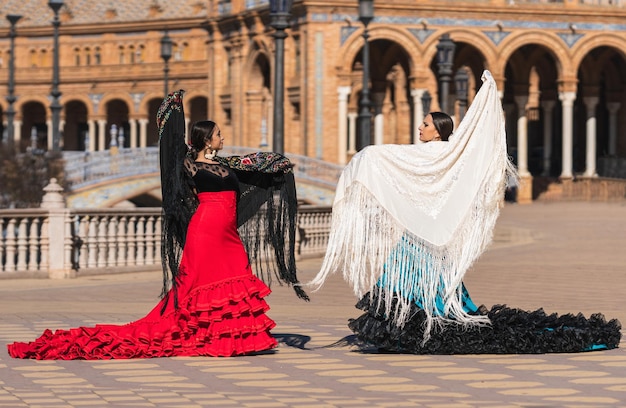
564,257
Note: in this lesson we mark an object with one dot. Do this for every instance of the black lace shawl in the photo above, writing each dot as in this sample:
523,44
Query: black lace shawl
266,209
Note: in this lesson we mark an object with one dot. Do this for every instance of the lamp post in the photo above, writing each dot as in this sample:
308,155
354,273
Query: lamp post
13,19
460,83
445,59
366,14
55,106
279,13
166,54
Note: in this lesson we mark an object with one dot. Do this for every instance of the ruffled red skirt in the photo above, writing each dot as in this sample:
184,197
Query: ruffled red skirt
221,310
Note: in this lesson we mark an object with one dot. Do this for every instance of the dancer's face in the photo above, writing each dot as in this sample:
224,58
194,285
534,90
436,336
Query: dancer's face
427,130
217,141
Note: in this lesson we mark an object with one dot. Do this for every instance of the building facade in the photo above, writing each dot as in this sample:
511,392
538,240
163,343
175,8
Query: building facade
560,67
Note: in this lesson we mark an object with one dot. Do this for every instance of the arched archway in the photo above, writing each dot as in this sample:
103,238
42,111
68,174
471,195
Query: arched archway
390,94
76,128
533,111
117,112
601,102
258,103
198,109
34,130
469,58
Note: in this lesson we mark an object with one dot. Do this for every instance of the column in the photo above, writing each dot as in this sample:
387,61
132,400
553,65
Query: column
49,134
418,112
61,133
133,133
548,107
352,119
613,108
508,109
102,128
91,124
58,214
143,132
379,127
522,135
342,127
17,132
567,101
590,159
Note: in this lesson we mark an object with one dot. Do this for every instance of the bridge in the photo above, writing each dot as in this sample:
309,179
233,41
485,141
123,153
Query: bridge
110,178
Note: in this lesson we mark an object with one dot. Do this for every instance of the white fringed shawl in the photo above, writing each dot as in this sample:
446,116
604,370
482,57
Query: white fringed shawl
421,214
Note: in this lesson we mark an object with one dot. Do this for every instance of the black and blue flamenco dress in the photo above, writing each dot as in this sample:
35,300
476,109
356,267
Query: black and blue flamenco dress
511,330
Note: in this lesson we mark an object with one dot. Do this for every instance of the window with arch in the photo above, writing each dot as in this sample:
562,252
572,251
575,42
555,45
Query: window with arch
186,51
34,60
296,43
121,55
44,58
180,51
87,56
139,54
131,54
77,57
97,56
224,7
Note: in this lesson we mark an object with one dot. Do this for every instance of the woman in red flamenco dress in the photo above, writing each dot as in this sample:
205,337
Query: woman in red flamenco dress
212,303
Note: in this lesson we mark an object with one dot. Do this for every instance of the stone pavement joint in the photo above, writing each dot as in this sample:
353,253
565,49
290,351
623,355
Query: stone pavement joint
564,257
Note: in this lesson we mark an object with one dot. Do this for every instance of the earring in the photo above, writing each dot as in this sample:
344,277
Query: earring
209,154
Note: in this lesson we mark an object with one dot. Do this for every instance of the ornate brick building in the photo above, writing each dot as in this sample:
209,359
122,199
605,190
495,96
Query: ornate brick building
560,66
111,72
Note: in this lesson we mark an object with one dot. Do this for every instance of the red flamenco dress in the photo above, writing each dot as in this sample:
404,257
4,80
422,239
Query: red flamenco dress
221,311
212,304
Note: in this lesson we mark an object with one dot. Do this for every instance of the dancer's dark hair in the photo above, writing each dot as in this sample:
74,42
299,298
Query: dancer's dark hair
443,123
201,133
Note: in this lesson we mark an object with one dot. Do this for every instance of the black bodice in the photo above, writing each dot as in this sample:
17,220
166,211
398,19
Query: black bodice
211,178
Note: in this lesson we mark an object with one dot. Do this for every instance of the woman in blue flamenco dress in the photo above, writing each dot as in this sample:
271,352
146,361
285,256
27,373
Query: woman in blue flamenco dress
410,220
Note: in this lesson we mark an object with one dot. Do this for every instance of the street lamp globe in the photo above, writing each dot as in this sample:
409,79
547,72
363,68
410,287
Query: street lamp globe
166,47
445,51
461,80
280,6
166,53
445,60
366,11
55,5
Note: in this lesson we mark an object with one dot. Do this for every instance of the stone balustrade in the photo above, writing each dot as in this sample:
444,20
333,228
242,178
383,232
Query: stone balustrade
58,242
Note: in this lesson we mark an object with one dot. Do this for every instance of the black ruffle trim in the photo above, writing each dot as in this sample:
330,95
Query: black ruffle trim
512,331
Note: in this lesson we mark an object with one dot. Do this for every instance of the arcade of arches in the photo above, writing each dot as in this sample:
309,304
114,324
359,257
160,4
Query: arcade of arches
560,68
